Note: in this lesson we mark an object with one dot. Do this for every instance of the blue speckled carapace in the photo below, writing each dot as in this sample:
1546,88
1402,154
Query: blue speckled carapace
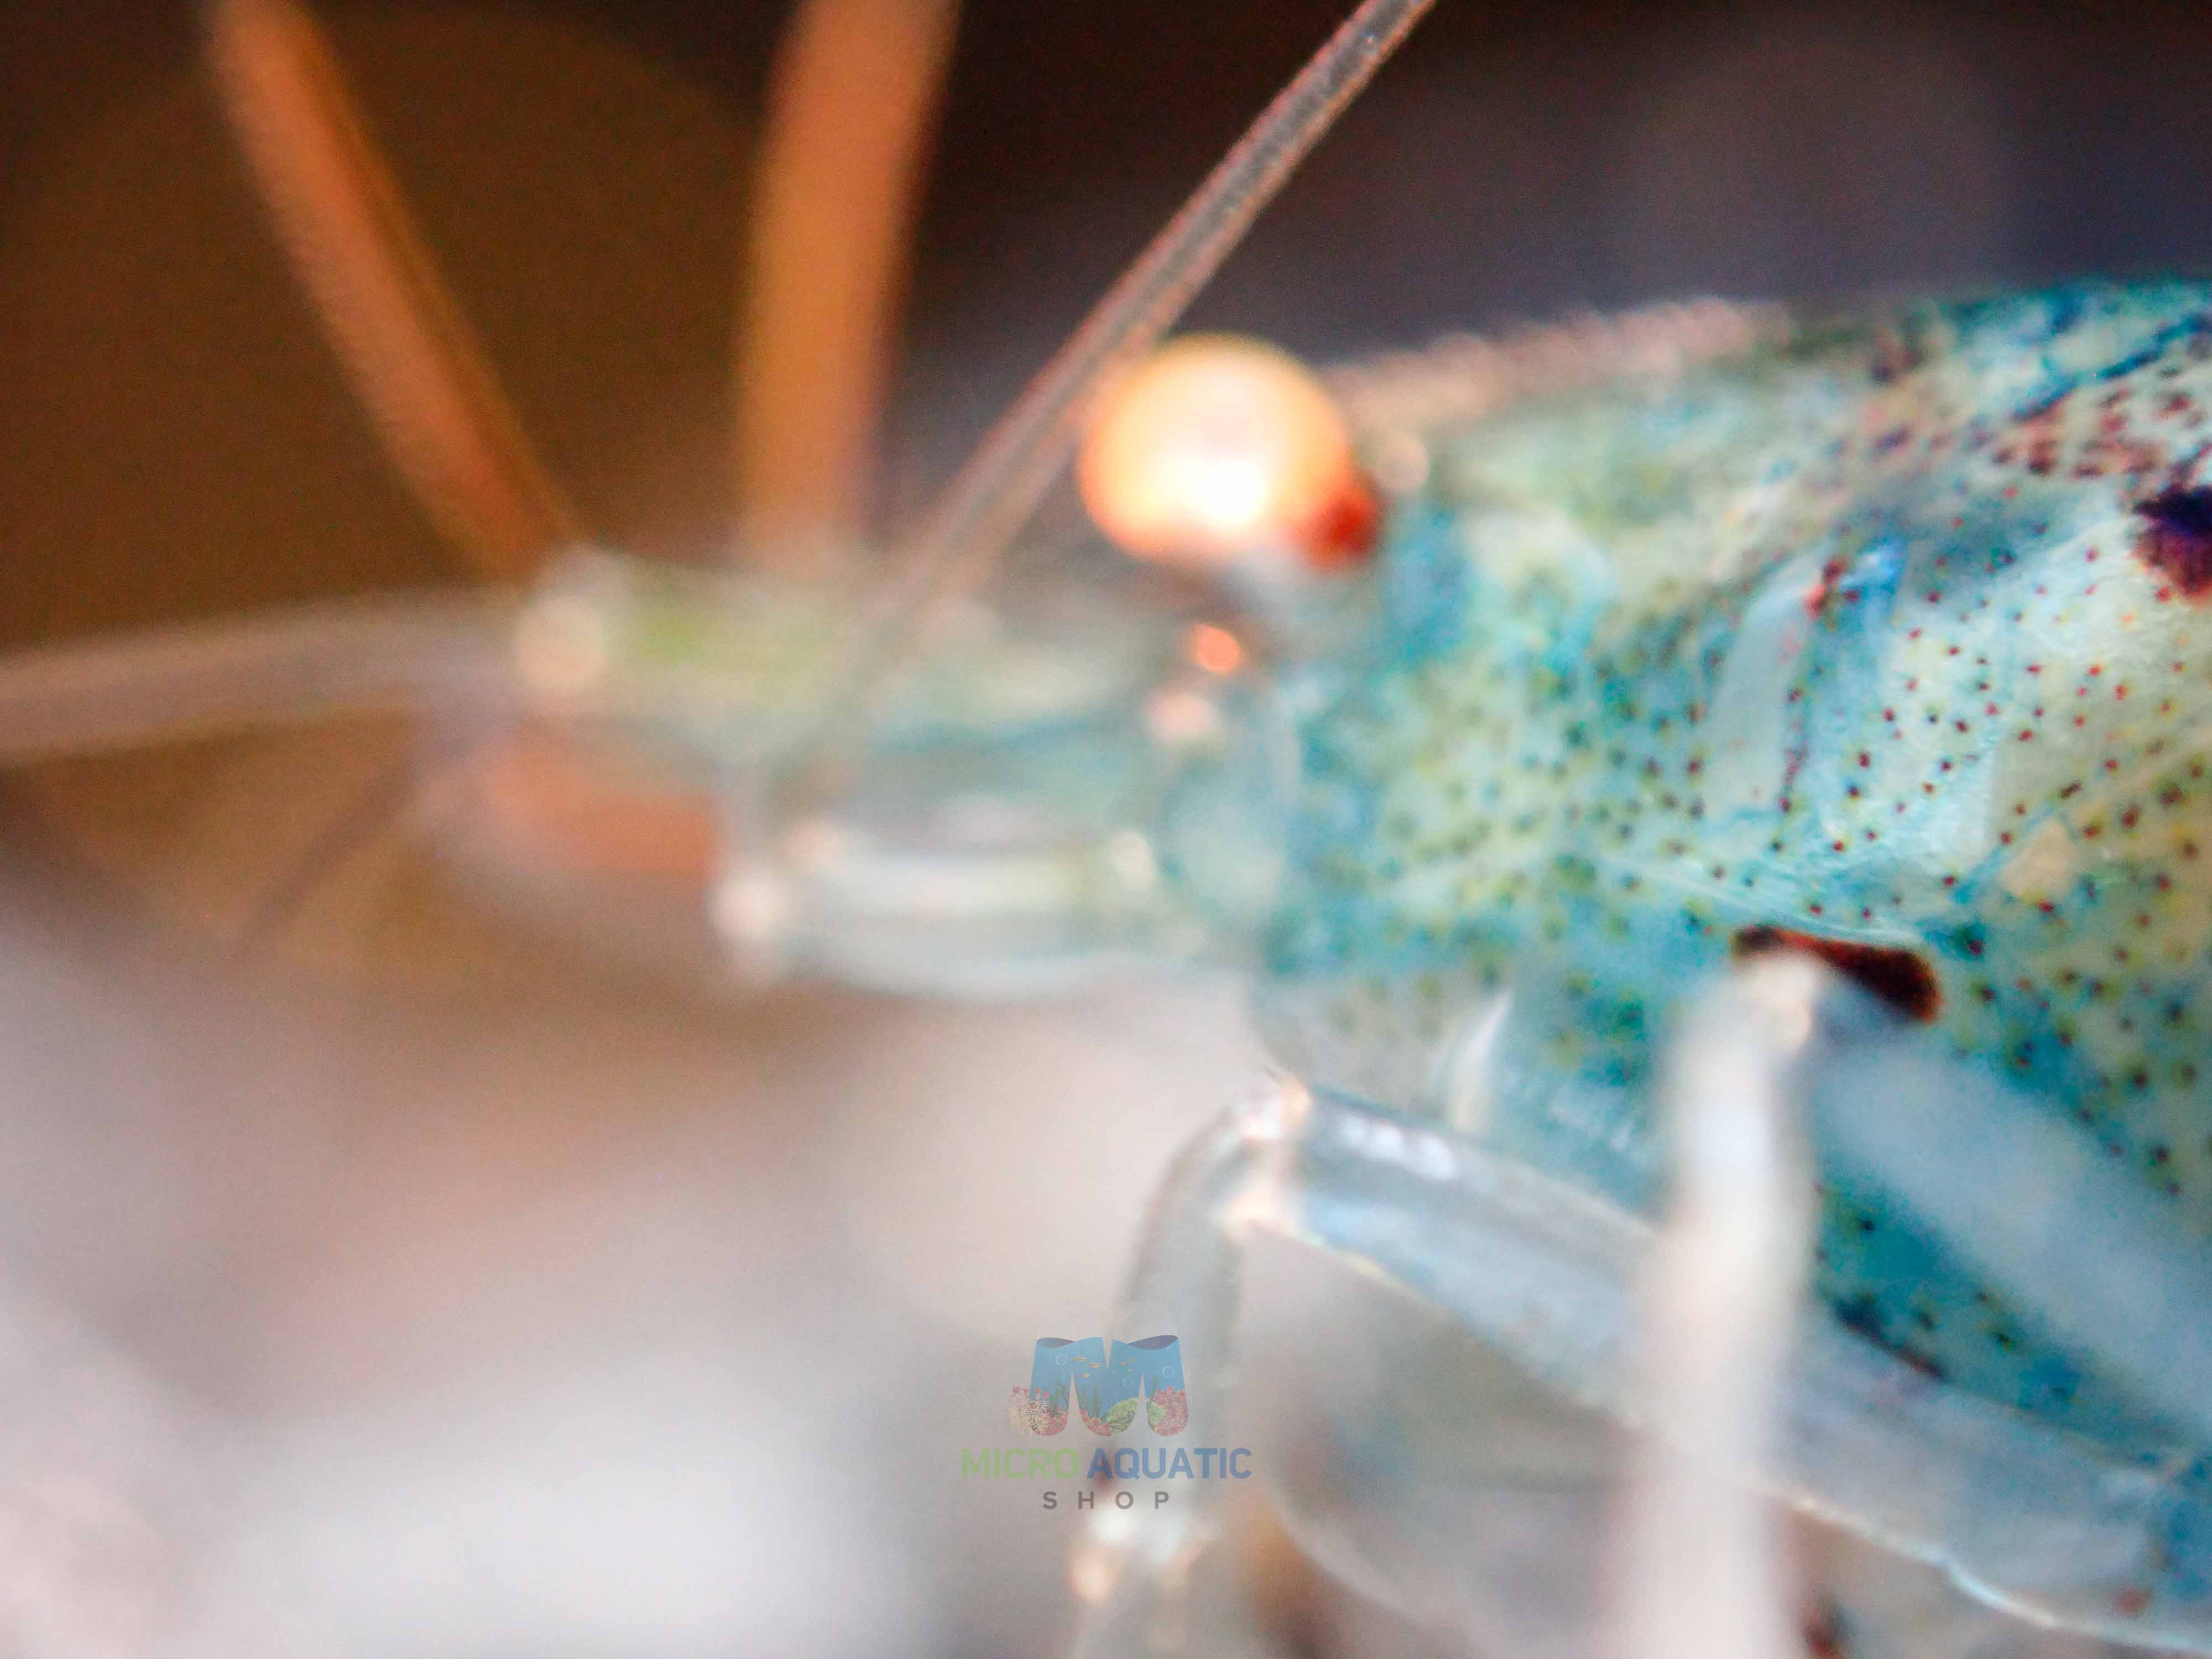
1892,642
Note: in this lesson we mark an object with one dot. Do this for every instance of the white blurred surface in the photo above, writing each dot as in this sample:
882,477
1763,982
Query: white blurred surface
575,1317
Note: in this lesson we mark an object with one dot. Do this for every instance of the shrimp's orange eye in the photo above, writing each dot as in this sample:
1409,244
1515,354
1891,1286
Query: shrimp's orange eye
1216,448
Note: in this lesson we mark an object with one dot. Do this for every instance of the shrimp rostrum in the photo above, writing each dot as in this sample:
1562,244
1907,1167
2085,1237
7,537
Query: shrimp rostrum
1713,804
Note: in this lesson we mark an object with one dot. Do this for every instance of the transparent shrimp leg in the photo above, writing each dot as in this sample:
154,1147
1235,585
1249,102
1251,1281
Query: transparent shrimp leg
368,656
1563,1285
1699,1572
413,360
856,91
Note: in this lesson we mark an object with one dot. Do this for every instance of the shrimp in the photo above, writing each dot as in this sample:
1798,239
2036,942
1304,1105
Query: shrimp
1717,708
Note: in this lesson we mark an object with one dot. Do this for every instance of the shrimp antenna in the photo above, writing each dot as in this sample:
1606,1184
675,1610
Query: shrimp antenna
413,361
994,493
857,83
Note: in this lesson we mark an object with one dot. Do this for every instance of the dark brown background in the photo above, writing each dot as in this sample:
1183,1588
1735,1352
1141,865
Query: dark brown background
580,169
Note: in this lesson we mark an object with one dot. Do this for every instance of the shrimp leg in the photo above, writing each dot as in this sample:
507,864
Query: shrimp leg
413,358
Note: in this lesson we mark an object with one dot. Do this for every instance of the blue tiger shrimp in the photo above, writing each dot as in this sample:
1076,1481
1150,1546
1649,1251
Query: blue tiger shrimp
1722,698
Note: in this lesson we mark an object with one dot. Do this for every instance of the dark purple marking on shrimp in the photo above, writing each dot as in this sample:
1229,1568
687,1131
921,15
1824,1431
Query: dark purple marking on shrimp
1899,977
2177,538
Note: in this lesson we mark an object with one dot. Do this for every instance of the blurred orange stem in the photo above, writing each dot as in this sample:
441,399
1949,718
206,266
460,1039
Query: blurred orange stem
411,355
856,87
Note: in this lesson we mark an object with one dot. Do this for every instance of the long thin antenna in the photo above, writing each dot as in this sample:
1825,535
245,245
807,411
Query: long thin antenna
997,491
857,85
399,655
412,359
